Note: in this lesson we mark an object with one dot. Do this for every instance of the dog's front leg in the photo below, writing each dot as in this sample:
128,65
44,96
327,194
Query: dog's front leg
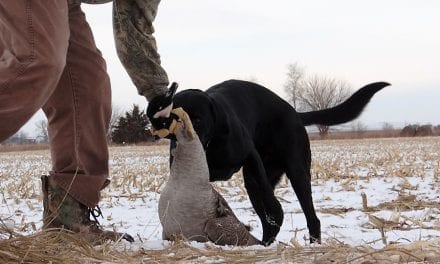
262,197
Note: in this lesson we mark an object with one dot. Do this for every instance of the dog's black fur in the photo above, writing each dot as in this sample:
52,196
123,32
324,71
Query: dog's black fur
245,125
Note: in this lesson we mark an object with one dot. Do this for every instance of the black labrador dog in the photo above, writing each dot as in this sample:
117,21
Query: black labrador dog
244,125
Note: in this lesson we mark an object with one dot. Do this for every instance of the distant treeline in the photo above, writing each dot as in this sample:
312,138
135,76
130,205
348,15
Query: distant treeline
416,130
411,130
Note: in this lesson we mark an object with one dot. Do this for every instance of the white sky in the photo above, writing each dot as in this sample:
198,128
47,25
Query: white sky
203,42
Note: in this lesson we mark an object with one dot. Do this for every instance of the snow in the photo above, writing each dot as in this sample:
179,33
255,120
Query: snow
342,170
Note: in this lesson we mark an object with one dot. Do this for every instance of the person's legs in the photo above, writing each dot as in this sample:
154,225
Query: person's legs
79,114
33,46
35,38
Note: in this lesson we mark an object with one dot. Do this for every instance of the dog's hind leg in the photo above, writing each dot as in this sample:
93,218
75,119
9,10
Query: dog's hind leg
298,172
262,197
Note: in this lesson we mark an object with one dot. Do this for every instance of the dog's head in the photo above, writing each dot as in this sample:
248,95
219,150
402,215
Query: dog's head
200,109
159,109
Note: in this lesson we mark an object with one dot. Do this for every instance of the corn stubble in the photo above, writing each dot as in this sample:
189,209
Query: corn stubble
137,170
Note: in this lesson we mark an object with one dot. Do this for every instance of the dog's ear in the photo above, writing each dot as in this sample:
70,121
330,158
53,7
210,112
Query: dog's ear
161,105
172,90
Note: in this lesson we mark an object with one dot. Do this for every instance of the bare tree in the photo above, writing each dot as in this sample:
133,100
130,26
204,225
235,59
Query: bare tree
319,93
386,126
42,132
359,127
292,86
315,92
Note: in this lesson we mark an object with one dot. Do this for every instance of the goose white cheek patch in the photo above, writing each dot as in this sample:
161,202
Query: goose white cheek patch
164,112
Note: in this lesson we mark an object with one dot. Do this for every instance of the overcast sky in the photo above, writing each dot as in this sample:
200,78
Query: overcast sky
203,42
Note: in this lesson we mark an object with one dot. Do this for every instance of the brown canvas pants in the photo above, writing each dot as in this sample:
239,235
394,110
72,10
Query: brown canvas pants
49,60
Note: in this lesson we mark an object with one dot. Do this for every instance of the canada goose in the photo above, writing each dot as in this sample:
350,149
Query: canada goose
189,206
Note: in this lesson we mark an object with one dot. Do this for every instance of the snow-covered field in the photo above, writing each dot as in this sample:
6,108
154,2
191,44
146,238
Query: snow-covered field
371,192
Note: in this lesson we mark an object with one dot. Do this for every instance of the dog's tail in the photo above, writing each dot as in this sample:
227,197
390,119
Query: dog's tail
346,111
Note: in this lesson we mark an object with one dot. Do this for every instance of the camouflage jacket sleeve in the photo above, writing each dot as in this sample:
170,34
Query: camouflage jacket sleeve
136,45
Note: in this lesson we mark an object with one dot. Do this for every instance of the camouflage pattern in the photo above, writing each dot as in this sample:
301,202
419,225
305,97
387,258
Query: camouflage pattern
136,45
